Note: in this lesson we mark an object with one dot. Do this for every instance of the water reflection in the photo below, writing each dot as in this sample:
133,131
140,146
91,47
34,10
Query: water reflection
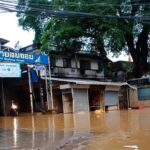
33,132
42,131
15,128
112,130
81,122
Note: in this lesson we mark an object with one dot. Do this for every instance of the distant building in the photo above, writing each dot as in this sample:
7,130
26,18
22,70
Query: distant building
78,65
3,47
33,48
120,70
141,96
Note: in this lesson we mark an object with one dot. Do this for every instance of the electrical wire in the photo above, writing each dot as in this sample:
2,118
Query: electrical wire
86,4
35,11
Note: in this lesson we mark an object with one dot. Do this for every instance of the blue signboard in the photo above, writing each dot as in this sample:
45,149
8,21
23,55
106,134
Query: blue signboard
23,58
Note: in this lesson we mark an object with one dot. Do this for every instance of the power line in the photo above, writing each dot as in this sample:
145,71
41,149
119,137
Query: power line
34,11
74,4
85,4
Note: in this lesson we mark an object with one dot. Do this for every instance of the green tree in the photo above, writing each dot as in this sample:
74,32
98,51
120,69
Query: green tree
29,16
136,33
77,33
109,26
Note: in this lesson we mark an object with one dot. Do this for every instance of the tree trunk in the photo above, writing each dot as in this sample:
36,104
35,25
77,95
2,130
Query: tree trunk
139,52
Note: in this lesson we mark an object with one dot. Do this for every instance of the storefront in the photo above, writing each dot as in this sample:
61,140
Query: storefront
86,95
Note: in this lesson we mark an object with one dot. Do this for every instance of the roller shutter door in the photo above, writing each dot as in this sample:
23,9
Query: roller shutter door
111,98
80,98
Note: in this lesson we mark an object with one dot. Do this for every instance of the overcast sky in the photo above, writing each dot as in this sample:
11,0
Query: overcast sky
10,30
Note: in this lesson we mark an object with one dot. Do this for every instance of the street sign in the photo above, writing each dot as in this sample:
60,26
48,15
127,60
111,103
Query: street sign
40,68
10,70
23,58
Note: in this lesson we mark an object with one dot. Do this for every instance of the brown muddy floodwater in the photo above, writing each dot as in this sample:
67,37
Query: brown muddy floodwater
115,130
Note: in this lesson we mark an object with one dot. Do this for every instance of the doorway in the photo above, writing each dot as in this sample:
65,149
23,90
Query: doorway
67,103
123,98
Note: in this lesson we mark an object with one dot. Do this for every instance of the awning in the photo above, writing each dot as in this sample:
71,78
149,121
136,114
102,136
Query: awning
90,82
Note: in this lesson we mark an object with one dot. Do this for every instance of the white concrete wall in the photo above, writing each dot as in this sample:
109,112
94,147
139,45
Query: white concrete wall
94,65
133,97
74,71
78,64
59,62
73,63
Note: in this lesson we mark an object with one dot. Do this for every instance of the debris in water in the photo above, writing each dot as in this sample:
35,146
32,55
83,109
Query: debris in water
131,146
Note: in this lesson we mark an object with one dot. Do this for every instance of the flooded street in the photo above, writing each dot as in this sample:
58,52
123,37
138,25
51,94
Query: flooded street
114,130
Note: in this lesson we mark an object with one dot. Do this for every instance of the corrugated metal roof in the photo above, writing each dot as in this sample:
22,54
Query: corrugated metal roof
3,41
88,82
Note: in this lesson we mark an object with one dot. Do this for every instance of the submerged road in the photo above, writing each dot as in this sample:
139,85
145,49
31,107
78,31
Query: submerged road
114,130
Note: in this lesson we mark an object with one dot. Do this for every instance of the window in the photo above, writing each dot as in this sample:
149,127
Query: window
66,63
100,66
52,61
85,64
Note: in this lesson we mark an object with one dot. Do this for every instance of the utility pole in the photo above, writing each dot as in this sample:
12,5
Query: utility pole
2,92
41,91
30,90
50,84
47,93
3,98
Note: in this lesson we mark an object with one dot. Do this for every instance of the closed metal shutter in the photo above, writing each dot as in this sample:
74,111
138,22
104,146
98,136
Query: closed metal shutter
80,100
111,98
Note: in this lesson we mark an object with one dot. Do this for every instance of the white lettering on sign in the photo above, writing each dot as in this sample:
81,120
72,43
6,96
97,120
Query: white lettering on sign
17,55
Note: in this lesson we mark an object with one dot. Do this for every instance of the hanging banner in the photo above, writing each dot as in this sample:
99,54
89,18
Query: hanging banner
23,58
9,70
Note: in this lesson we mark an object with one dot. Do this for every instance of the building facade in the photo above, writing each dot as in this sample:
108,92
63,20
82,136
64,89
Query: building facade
80,83
78,65
74,83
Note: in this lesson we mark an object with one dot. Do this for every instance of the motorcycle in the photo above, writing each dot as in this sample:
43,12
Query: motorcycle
14,110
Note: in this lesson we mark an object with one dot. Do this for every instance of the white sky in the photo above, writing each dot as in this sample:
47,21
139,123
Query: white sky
11,31
123,56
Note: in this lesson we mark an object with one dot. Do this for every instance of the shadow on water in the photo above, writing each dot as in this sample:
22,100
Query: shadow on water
113,130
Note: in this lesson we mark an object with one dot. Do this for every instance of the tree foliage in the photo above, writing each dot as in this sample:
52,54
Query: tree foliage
114,26
137,36
31,18
77,33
